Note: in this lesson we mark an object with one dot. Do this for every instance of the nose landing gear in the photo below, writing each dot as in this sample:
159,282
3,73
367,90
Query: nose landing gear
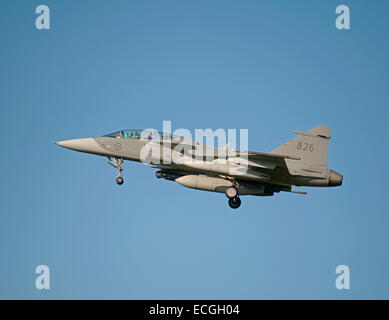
119,180
118,164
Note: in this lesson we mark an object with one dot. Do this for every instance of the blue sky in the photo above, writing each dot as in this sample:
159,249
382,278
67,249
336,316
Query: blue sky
267,66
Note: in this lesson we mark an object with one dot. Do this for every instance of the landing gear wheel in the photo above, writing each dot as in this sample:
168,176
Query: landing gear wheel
118,164
231,192
234,203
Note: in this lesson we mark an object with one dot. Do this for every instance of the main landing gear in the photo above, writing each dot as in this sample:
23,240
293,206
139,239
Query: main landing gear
118,164
233,197
234,203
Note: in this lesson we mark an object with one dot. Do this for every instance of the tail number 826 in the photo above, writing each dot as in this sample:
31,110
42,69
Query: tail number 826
304,146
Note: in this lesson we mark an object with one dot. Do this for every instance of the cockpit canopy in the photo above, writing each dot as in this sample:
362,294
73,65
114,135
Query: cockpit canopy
148,134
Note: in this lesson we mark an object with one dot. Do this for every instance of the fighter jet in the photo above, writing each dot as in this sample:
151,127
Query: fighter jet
299,162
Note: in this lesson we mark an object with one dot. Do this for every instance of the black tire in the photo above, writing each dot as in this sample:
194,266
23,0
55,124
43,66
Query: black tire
119,180
231,192
234,203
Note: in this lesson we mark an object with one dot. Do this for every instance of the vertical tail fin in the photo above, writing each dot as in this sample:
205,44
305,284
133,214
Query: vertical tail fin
310,146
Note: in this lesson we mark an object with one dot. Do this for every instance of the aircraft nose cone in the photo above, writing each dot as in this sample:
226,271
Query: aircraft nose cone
336,179
88,145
